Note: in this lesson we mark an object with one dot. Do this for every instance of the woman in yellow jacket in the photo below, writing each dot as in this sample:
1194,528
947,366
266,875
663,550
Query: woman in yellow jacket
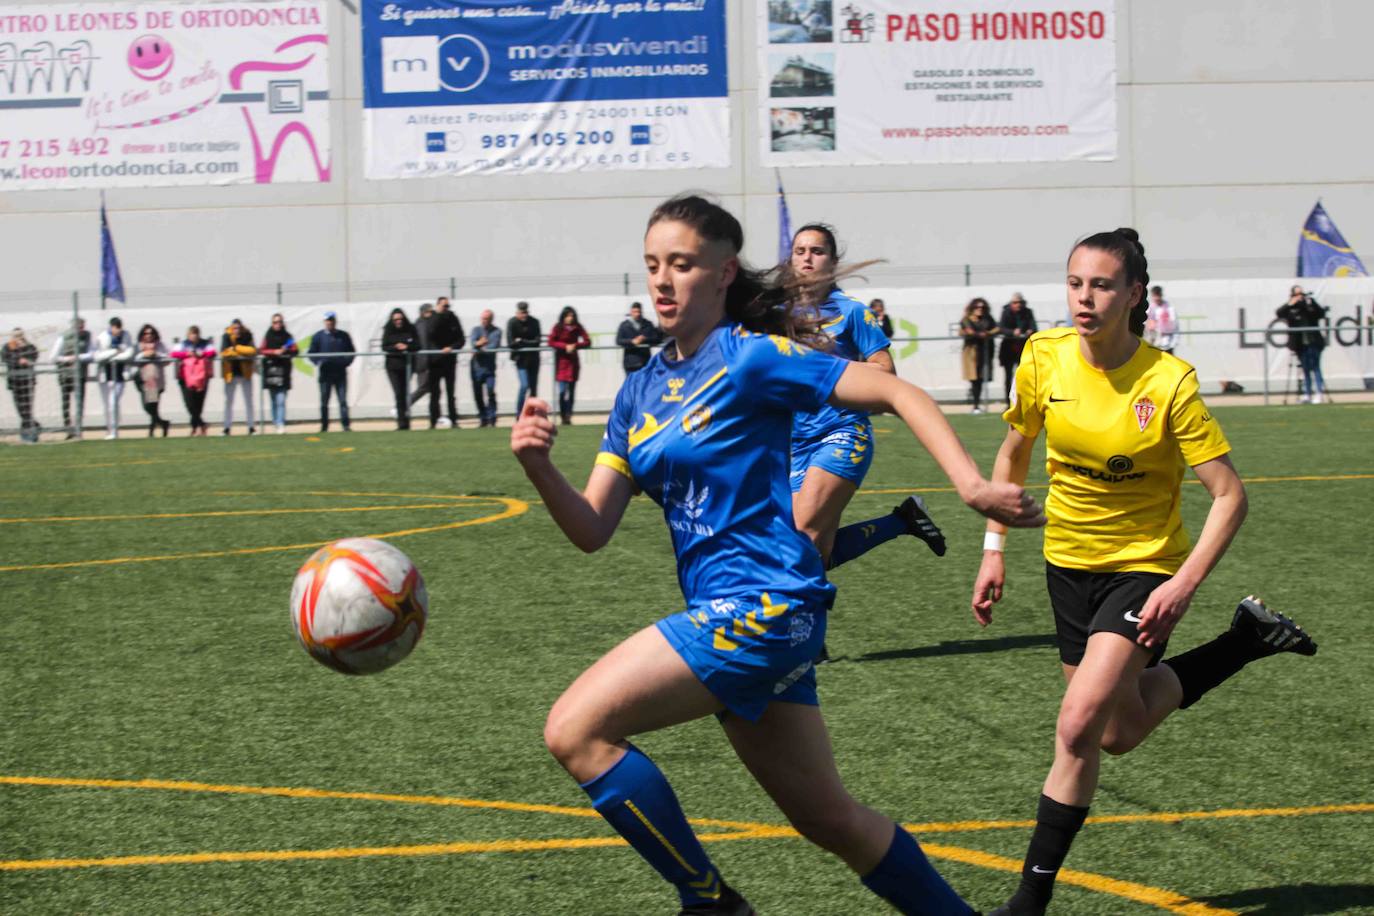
237,357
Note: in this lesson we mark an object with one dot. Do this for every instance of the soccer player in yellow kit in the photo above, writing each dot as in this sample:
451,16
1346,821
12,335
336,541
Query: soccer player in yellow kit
1121,421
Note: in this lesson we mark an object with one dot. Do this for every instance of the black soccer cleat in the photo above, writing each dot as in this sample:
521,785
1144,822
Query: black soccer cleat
1006,909
1275,631
918,523
730,903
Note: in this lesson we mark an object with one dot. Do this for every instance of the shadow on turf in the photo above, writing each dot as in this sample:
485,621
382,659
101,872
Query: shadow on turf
1297,898
959,647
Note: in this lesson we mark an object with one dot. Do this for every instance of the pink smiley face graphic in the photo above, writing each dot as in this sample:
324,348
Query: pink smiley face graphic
150,57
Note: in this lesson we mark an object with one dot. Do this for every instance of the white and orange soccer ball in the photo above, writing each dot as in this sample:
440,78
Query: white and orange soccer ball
359,605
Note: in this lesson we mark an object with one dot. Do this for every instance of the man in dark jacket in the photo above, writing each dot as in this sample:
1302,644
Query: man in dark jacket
1018,323
1302,311
420,363
524,337
331,350
446,334
635,337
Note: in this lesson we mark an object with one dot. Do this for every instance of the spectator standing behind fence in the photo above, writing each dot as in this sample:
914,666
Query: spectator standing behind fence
635,337
19,357
148,372
399,341
1302,311
978,330
419,363
277,350
1161,321
237,354
524,336
331,350
446,334
486,338
1018,323
72,352
113,350
879,310
195,358
566,338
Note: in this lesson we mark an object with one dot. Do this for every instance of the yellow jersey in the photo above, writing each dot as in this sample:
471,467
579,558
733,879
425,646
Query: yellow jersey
1117,445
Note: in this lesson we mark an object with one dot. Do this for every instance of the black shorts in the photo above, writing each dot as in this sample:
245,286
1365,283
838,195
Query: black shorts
1094,602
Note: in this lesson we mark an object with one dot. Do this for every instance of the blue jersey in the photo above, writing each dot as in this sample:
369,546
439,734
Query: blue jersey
707,438
857,335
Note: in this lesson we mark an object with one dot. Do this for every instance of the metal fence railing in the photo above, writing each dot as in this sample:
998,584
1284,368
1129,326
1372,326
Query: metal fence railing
57,401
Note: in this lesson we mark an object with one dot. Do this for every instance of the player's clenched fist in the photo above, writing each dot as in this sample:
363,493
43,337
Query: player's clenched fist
533,433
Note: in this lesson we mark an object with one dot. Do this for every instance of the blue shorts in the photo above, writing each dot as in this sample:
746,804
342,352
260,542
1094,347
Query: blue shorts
752,650
845,451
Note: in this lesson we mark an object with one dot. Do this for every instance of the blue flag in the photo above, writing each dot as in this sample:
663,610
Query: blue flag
784,224
111,283
1323,251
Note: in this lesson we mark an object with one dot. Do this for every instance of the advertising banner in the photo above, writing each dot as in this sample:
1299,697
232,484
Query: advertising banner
878,82
117,95
495,87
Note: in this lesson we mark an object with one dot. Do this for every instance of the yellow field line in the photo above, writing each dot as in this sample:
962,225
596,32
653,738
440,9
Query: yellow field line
177,785
1044,486
1140,893
128,462
221,514
1129,890
740,830
513,507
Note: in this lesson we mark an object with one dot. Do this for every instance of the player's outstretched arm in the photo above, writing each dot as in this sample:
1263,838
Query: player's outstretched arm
1167,603
1013,461
588,518
861,388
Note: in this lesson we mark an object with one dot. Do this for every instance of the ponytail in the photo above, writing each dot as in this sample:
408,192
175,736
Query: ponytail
1125,244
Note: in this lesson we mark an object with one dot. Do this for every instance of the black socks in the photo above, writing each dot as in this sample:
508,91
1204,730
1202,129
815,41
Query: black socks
1201,669
1055,827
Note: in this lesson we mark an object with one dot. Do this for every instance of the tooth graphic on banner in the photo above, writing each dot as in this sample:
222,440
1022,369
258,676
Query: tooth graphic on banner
148,93
265,162
38,64
76,64
9,66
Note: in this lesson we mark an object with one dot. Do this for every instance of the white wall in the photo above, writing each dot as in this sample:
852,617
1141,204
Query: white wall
1235,115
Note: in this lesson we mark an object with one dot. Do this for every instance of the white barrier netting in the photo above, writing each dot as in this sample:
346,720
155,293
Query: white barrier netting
1229,332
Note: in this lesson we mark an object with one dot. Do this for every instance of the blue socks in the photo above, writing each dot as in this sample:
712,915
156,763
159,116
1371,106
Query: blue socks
907,880
853,541
635,798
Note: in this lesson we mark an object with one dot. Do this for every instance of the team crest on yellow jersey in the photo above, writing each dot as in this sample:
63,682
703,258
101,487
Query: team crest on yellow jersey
674,389
1144,410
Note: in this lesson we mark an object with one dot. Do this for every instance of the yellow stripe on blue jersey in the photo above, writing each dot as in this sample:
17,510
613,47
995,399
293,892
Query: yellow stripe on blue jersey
1117,442
716,460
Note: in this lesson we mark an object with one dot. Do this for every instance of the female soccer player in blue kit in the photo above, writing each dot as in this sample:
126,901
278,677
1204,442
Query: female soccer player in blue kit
703,430
832,447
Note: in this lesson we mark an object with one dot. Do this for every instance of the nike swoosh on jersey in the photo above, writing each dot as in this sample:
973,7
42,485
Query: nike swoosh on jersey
1055,400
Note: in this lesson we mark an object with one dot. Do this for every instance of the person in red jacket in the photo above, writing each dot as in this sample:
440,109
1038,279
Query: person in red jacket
567,337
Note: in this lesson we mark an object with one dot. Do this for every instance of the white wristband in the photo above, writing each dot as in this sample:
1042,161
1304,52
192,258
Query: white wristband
994,541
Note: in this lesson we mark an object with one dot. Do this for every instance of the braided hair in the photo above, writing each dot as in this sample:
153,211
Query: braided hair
1125,244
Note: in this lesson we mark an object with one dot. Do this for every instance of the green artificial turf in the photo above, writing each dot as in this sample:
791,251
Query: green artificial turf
186,670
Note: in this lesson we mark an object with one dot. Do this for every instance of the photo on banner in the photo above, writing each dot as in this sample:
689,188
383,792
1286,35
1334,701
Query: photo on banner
119,95
491,87
892,82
